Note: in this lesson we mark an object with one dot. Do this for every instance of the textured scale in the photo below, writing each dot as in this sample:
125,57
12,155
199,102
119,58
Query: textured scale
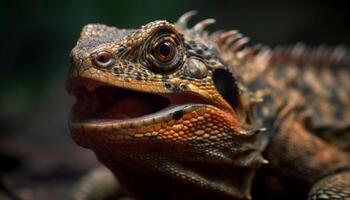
236,107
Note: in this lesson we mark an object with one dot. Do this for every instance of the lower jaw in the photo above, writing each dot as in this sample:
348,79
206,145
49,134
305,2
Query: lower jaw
172,112
146,130
181,124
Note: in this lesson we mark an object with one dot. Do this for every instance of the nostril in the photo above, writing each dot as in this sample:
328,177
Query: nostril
103,59
75,61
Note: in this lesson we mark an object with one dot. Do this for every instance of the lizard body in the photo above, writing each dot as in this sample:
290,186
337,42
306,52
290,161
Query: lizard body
178,113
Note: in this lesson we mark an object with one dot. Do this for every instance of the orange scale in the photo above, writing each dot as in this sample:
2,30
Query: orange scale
200,118
157,126
186,117
193,120
186,122
194,114
164,125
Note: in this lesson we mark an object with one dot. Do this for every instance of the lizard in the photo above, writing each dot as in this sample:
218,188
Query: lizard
181,113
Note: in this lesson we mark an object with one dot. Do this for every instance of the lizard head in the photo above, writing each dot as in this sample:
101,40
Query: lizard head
160,100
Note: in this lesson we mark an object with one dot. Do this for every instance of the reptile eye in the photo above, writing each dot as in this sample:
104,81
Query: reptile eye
165,51
103,59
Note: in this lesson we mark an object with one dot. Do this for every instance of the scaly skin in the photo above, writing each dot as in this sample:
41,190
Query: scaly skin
178,113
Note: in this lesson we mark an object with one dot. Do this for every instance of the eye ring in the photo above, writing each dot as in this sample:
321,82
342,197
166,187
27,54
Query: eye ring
165,53
103,59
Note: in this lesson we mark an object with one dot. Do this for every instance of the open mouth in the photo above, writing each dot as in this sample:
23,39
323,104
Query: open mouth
95,100
99,102
116,103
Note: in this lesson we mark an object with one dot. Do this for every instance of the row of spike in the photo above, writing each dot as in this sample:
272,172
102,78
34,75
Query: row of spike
230,39
321,56
235,42
199,27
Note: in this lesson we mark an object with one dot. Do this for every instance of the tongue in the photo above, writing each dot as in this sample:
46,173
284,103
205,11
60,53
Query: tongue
128,107
88,102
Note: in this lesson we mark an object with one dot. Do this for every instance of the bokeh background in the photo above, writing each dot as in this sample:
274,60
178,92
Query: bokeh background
38,160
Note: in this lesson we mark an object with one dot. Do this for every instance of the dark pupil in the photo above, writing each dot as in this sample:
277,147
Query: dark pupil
103,58
164,49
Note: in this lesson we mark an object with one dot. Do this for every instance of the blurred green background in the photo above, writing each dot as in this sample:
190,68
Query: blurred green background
37,36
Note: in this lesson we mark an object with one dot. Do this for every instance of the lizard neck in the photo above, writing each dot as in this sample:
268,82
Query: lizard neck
216,181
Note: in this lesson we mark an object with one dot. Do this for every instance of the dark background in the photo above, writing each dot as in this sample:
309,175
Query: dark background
38,160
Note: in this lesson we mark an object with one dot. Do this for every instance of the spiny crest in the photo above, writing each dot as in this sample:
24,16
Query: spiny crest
200,26
183,20
233,44
322,55
197,28
234,50
230,41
